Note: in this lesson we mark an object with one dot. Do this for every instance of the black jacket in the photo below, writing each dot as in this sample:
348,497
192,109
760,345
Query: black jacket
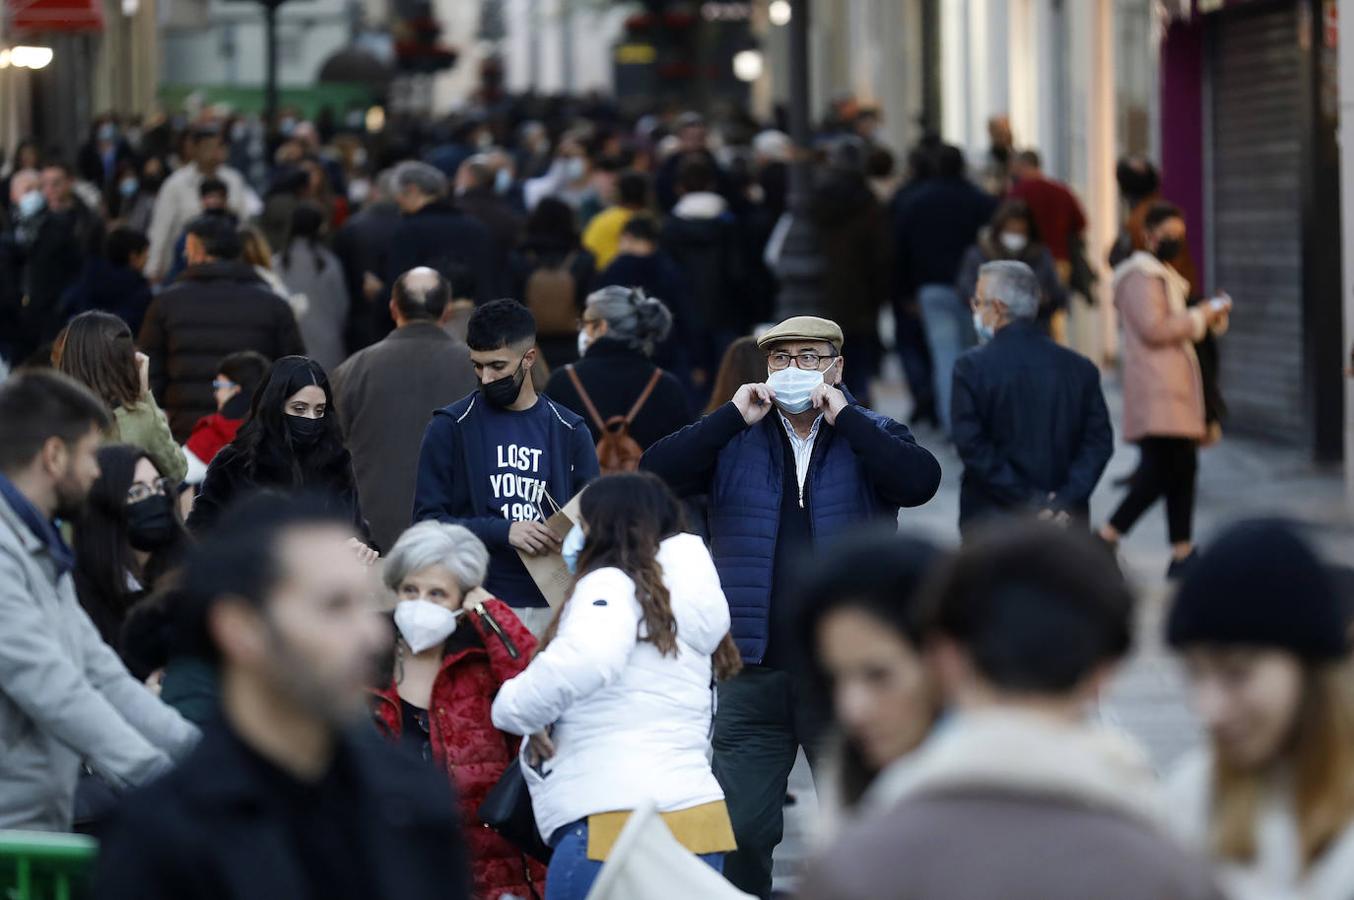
504,225
934,222
216,828
710,252
363,245
613,374
1029,421
213,310
658,276
229,479
442,237
61,244
120,290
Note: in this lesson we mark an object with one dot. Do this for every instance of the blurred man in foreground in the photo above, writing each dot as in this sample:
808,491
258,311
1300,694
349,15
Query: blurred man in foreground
280,800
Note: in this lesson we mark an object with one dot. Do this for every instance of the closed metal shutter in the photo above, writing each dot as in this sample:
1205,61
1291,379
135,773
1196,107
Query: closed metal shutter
1257,227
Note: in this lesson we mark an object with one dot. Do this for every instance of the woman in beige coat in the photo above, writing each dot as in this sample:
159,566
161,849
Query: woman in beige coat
1163,386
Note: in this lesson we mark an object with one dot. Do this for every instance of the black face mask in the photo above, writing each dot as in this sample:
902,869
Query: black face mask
504,392
150,523
304,432
1168,249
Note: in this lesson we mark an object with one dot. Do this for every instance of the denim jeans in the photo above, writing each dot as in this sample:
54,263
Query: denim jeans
949,332
571,873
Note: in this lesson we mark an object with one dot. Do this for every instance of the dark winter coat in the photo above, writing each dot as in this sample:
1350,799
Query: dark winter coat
385,395
120,290
504,225
363,245
441,236
709,250
452,482
230,479
216,829
213,310
467,746
61,244
613,374
934,223
1029,420
854,233
658,276
864,468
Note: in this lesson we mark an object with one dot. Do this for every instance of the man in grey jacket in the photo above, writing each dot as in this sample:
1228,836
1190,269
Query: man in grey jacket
65,697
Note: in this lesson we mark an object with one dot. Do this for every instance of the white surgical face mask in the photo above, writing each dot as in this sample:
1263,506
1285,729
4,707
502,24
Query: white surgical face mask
985,332
424,624
502,181
793,387
575,168
584,342
31,203
1013,242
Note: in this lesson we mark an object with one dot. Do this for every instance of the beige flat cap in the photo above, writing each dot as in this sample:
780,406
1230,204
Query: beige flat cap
803,328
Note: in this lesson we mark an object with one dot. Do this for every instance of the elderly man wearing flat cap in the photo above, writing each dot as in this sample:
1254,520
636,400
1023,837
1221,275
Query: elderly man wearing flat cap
786,464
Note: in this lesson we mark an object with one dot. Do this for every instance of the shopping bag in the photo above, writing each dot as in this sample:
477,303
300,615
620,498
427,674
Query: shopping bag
647,863
548,570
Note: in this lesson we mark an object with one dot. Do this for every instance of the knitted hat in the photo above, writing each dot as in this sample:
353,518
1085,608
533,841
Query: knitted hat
1261,584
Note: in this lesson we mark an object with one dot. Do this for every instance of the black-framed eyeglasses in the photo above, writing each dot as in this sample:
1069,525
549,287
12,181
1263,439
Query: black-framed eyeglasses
160,487
806,360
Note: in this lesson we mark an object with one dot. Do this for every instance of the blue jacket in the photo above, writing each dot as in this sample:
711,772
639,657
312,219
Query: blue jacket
863,468
1029,421
452,483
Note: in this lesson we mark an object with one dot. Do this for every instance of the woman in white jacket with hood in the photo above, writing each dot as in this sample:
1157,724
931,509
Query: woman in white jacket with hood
619,700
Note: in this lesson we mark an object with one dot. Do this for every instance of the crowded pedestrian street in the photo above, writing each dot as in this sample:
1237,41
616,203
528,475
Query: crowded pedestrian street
671,449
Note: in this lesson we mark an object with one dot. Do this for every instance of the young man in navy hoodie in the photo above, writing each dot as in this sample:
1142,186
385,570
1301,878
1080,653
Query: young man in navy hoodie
489,459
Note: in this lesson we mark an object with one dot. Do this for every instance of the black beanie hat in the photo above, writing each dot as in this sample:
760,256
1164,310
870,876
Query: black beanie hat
1262,585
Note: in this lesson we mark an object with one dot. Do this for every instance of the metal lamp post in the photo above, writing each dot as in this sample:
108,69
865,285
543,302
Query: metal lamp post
800,266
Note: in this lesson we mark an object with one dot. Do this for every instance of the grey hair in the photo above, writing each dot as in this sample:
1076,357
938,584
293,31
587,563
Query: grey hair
454,547
1015,285
385,184
640,321
429,180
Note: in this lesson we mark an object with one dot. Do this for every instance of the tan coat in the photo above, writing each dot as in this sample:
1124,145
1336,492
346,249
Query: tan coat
1011,805
1163,386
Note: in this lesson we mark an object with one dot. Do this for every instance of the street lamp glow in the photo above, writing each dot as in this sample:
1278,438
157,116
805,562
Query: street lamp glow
26,57
779,12
747,65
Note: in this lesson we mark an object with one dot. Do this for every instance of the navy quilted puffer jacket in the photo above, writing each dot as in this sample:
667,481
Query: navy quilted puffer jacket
864,468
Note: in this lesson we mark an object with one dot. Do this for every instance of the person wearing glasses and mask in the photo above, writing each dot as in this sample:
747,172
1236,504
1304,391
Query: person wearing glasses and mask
291,442
787,464
126,537
495,460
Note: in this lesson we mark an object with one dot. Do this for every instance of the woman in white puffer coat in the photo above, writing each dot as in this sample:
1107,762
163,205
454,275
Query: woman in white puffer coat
619,701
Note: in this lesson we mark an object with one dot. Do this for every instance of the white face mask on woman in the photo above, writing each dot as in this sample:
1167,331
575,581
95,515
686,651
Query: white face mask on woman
425,624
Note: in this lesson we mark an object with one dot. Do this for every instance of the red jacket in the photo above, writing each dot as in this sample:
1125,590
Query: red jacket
210,434
1057,213
466,744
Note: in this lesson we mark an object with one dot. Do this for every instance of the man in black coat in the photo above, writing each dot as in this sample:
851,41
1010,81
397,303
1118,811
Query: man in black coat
363,248
1029,417
934,223
287,795
64,235
475,195
218,306
435,233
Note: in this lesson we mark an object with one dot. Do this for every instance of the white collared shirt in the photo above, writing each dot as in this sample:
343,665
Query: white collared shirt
803,448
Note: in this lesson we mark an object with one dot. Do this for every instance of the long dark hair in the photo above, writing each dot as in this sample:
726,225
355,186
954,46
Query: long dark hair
628,517
307,221
103,551
265,444
96,349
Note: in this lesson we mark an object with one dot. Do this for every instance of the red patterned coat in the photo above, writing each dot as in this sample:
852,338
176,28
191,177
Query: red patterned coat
466,744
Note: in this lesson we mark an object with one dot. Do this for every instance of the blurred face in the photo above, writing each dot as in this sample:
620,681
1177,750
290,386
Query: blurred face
1169,230
307,403
992,312
693,137
435,584
213,201
74,468
207,152
880,691
56,187
223,389
1248,699
145,478
319,639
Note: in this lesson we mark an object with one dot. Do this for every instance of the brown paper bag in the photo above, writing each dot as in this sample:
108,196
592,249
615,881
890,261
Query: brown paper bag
548,570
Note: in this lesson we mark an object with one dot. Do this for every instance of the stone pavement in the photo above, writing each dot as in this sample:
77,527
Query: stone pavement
1238,478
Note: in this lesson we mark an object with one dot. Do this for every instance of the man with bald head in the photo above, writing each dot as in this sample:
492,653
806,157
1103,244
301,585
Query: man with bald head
386,394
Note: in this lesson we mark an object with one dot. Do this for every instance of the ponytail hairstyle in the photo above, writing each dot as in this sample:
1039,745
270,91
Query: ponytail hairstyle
628,517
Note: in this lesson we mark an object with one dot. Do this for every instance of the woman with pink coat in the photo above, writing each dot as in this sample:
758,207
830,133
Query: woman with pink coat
1163,385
